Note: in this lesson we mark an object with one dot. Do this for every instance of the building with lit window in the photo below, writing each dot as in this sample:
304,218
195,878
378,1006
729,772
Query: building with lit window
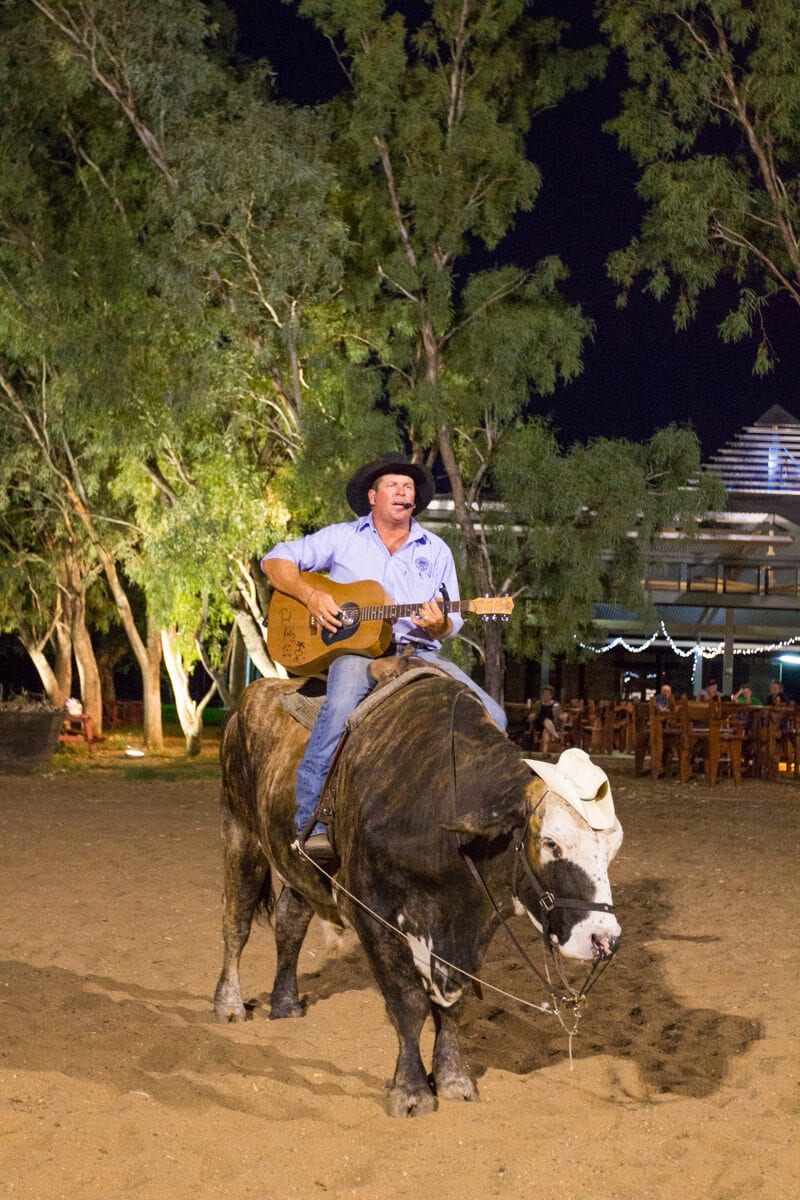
727,597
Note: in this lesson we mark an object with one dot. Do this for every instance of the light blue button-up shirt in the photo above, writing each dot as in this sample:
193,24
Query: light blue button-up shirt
353,551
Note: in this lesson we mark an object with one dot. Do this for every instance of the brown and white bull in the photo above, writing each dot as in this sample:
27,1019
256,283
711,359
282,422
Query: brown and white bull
424,783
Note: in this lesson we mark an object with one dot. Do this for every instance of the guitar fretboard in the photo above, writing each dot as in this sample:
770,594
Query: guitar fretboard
390,612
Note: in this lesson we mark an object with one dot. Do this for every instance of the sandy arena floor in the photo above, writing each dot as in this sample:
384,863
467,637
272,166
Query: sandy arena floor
115,1083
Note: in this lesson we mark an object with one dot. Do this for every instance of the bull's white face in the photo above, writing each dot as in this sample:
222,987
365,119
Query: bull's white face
571,860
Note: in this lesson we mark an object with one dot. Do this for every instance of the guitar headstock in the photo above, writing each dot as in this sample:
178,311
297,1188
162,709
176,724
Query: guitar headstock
492,606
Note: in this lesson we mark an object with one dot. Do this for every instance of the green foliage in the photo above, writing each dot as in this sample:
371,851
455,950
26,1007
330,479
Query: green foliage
214,306
713,120
575,521
431,161
155,283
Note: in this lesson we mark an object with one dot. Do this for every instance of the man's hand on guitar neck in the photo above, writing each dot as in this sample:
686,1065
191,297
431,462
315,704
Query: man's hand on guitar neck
430,617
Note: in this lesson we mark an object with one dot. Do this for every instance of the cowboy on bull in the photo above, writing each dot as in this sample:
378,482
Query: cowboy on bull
385,543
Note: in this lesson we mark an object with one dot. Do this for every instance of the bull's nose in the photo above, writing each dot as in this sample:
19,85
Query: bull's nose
605,945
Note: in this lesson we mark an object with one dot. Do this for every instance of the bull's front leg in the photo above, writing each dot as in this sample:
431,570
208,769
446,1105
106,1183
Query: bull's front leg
408,1006
247,884
409,1093
292,918
450,1071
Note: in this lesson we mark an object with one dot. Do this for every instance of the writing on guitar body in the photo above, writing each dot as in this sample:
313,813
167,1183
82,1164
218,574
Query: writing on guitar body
366,611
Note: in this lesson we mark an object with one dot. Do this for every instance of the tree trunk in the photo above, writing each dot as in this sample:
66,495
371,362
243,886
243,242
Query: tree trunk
494,677
45,671
108,653
151,680
88,673
190,713
257,647
62,661
479,565
237,667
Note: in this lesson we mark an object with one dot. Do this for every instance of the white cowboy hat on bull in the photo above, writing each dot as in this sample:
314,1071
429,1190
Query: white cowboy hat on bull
581,783
390,463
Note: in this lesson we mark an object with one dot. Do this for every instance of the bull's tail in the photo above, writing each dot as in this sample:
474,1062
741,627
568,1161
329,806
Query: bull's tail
265,902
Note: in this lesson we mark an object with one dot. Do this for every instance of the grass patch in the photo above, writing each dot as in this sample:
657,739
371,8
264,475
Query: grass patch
175,771
211,716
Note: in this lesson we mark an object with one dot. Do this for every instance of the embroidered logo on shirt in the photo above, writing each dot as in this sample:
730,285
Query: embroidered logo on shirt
423,566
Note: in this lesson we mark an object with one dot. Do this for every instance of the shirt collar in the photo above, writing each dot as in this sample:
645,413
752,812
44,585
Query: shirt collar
416,532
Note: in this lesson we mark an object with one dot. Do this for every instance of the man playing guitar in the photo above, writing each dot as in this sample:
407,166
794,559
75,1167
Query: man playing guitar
386,544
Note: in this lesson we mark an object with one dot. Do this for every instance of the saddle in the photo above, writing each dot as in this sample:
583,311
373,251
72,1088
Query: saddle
304,703
390,674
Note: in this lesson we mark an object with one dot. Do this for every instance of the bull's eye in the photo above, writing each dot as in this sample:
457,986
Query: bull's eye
551,847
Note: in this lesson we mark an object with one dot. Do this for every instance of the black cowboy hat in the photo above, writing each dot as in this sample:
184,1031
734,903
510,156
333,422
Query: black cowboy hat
390,463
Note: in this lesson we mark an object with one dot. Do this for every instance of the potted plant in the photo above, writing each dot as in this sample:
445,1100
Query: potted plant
29,730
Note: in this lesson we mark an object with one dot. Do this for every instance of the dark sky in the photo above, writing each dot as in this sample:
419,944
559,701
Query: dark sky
638,373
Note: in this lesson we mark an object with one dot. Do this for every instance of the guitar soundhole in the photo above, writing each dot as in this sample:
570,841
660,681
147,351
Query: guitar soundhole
350,616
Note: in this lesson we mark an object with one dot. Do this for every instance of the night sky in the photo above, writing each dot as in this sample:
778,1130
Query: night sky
638,373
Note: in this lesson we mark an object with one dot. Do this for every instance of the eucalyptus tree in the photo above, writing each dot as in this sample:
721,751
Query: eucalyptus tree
68,309
711,118
184,277
435,124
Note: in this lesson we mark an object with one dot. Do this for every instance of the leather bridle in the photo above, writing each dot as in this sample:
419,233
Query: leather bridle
548,902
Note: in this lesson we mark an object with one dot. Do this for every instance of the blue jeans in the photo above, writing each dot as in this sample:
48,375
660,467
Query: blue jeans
349,682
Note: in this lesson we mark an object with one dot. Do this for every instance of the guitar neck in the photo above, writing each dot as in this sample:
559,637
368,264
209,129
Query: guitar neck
391,612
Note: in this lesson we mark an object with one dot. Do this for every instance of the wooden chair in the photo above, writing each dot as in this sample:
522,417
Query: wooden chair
78,727
517,715
623,727
706,741
752,721
731,747
608,717
665,738
641,735
592,728
782,738
572,724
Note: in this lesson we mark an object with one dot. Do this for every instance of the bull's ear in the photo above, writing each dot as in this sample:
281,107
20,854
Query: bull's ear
490,823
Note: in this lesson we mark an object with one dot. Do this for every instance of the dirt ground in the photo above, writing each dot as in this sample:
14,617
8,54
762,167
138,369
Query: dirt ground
115,1083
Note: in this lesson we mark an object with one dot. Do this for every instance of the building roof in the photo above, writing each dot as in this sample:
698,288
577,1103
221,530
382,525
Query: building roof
764,459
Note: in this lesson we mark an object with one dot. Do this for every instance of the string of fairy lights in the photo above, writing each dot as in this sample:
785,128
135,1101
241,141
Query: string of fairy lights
698,650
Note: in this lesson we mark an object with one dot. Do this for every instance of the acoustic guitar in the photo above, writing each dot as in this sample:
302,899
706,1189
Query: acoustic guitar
298,643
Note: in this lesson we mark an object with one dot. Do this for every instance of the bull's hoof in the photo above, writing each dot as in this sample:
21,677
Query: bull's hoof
400,1103
460,1088
229,1014
281,1010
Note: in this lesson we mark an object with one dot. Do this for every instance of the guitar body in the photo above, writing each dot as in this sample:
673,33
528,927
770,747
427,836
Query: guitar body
304,648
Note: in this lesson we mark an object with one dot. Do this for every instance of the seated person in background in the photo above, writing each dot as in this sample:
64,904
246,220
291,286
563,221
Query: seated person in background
664,697
776,694
545,720
777,697
745,696
710,691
